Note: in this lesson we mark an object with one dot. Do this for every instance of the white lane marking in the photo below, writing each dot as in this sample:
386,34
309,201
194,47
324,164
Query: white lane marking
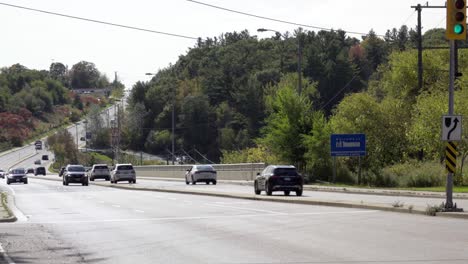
232,203
246,209
116,205
139,211
5,255
172,198
182,218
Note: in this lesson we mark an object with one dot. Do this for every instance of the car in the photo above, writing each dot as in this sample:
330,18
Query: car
279,178
201,173
17,175
62,169
40,171
37,162
99,171
30,171
45,157
2,174
74,173
123,172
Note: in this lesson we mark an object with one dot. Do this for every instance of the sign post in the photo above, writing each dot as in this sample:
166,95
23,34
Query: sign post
347,145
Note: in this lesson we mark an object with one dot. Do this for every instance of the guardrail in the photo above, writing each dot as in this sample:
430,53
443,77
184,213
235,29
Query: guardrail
233,172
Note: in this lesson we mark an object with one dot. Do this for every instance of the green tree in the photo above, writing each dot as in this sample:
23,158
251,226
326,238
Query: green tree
85,75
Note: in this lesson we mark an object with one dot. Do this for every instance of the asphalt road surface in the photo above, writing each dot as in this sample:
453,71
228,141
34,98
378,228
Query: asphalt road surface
93,224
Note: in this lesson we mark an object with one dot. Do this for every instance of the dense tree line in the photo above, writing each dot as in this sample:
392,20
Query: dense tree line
236,99
29,96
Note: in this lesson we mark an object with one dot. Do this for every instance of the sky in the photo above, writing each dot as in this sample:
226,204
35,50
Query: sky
36,40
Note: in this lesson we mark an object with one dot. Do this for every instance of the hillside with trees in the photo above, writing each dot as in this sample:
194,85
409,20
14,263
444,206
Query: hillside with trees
236,99
33,102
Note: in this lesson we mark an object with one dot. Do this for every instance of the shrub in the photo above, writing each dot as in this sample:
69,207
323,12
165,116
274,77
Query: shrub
412,174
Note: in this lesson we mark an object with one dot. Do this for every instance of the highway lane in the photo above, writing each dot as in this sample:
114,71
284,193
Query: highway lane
78,224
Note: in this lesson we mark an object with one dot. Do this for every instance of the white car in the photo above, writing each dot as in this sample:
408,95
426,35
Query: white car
200,173
2,173
123,172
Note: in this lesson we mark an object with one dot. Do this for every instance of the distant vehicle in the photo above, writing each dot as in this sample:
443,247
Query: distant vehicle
30,170
99,171
123,172
2,174
45,157
38,144
74,174
62,169
40,171
201,173
279,178
82,139
37,162
17,175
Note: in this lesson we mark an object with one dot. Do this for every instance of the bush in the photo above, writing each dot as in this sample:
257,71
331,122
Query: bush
411,174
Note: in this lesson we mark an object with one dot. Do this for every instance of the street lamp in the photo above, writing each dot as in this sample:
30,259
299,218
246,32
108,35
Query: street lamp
172,125
299,56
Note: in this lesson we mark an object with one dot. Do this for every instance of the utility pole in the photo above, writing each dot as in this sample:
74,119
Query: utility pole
173,129
419,8
299,61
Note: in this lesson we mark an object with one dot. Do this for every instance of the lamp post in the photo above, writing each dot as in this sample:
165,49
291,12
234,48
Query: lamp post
299,56
172,125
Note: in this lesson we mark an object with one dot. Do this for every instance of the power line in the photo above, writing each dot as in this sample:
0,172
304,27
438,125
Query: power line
341,90
277,20
98,21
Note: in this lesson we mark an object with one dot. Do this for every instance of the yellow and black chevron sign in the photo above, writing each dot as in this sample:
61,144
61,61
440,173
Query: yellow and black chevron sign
451,156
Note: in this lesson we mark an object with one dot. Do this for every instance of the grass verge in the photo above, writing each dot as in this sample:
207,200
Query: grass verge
456,189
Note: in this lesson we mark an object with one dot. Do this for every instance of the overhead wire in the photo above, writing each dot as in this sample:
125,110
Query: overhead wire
277,20
98,21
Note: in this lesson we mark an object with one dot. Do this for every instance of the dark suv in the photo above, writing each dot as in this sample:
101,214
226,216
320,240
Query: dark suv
39,171
75,174
279,178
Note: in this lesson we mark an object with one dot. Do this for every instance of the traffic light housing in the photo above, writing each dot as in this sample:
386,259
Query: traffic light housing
456,20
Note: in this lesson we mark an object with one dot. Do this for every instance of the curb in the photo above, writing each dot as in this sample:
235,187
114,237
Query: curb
349,190
282,199
4,204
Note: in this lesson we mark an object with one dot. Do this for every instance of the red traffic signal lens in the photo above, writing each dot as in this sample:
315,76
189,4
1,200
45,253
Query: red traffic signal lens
459,4
459,16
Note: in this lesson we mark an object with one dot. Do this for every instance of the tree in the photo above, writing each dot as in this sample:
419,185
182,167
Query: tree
59,72
84,75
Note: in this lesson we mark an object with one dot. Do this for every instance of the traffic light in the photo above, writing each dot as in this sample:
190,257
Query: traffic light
456,20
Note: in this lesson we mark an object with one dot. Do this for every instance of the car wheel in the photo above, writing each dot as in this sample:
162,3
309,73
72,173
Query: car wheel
214,182
8,182
91,179
107,179
66,182
187,182
267,189
26,181
299,193
193,181
207,183
257,191
286,193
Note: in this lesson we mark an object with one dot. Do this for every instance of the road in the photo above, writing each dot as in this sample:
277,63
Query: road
94,224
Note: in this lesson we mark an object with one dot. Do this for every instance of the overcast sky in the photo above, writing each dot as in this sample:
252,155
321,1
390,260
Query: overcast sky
35,40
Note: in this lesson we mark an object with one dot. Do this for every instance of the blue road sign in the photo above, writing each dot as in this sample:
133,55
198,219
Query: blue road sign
348,144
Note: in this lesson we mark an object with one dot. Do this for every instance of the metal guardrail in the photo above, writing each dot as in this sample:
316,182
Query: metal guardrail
241,171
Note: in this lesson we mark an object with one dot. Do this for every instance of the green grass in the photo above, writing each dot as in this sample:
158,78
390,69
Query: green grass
456,189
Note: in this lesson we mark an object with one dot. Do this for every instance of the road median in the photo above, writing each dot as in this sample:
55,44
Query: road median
6,215
400,207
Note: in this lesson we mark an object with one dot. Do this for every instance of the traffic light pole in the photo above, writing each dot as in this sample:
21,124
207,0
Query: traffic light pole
449,185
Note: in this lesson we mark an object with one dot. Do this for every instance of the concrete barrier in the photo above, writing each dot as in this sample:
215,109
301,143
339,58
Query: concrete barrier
234,172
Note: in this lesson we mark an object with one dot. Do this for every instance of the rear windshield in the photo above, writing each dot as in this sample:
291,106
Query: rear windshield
18,171
76,168
285,171
125,167
40,169
100,167
205,168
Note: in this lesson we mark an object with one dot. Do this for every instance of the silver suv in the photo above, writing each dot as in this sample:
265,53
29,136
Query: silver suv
123,172
99,171
75,174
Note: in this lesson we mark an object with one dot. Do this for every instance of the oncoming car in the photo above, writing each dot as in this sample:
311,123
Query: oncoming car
75,174
17,175
200,173
279,178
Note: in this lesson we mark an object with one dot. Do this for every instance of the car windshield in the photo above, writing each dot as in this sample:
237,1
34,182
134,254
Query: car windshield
18,171
76,168
125,167
285,171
